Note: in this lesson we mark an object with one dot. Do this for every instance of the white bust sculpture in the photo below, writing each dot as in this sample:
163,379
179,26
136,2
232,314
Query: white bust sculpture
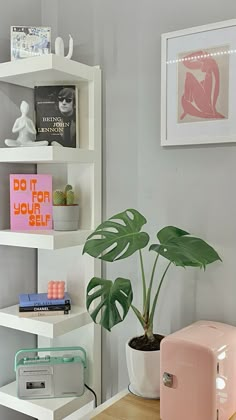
26,129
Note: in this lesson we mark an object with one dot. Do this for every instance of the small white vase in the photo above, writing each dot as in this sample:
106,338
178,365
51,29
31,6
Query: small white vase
144,372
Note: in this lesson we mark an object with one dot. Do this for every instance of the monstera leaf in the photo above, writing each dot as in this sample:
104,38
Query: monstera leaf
118,237
109,294
178,247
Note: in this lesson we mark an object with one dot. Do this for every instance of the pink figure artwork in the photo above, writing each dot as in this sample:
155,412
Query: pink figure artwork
200,97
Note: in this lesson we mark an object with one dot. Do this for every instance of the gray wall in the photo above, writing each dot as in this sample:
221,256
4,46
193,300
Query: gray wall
191,187
17,265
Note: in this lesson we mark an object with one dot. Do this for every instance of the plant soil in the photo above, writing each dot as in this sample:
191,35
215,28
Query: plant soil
144,344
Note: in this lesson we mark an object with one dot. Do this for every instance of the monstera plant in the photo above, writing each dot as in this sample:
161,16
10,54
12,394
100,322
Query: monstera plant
120,237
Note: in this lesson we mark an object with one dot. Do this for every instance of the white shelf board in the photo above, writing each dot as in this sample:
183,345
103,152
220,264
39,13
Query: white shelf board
45,326
42,409
102,407
46,154
45,69
43,239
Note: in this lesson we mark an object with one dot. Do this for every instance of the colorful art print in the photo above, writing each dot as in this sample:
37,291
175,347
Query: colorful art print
56,112
203,85
198,86
30,202
30,41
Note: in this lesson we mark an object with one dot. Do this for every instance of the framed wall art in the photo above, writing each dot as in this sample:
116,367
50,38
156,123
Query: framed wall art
198,85
29,41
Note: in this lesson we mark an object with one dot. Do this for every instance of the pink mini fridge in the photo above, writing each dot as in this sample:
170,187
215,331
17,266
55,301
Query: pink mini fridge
198,373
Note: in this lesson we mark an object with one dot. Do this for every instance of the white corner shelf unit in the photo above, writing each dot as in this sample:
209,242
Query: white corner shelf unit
46,326
44,239
59,254
47,409
46,154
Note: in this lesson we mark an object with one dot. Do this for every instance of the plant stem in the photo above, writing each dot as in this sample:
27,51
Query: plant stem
149,334
143,278
157,294
138,315
147,305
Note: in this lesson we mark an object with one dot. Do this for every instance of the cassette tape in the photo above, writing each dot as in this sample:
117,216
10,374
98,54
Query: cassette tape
50,376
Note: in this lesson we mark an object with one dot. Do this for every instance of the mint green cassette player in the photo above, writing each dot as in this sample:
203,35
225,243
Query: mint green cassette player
50,376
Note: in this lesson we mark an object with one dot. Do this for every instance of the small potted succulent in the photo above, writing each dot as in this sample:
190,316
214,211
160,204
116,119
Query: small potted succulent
108,302
65,211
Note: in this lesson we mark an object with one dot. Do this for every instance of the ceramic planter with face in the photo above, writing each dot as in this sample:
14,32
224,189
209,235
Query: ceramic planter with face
66,217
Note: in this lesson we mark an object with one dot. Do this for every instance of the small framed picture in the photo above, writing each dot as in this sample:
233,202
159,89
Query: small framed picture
198,100
29,41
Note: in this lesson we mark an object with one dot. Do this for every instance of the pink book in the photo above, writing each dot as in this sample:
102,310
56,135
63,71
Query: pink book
31,201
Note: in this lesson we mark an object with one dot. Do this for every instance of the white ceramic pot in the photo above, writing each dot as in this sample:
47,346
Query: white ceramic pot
66,217
144,372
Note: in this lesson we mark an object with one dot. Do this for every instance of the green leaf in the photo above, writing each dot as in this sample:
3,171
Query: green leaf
184,250
170,232
109,294
118,237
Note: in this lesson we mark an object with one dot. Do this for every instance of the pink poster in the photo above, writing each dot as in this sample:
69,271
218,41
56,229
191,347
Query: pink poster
203,85
31,202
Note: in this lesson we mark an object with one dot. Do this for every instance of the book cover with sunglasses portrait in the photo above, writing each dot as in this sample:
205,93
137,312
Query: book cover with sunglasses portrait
57,115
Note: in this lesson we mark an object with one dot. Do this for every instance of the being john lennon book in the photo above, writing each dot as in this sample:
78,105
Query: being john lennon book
30,202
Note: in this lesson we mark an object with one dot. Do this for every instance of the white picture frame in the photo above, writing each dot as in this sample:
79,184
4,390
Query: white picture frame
198,85
29,41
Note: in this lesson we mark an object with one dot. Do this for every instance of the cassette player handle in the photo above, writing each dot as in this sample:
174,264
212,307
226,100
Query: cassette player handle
49,349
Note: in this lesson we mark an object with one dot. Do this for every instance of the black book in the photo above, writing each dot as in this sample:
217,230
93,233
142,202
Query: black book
45,308
56,115
31,314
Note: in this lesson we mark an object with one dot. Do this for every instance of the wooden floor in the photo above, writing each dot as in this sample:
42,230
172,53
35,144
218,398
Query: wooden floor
131,407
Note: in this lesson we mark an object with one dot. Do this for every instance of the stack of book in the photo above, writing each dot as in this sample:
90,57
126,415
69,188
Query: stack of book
38,304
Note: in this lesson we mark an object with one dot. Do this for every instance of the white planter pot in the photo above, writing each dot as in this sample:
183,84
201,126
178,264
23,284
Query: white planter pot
66,217
144,372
